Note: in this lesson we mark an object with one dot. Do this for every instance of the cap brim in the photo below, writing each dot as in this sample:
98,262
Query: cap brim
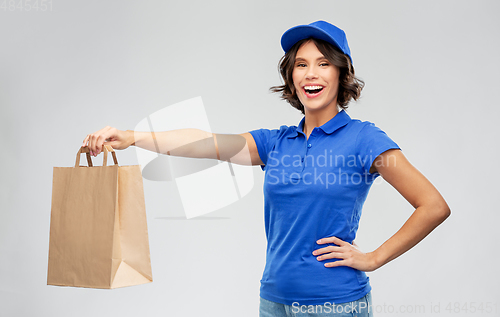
301,32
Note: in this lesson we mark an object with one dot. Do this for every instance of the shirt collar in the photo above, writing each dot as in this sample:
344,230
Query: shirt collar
335,123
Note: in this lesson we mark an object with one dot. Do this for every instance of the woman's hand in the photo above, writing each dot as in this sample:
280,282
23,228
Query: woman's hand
349,255
117,139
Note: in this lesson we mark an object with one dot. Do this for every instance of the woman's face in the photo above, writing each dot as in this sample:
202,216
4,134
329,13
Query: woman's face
315,79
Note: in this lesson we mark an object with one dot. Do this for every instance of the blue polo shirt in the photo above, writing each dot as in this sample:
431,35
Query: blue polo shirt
315,188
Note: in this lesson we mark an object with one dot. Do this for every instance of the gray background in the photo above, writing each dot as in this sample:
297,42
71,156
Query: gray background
431,70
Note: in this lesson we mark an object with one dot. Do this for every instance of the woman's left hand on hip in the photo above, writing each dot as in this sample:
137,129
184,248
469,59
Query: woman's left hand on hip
348,255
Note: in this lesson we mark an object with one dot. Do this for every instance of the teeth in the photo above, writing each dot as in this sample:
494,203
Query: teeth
312,87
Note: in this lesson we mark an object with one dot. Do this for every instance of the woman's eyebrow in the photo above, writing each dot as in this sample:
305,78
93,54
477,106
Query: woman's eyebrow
303,59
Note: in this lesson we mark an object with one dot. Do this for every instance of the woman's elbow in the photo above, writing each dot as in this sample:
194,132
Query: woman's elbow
442,210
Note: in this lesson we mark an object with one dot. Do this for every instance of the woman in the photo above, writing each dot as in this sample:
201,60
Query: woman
317,177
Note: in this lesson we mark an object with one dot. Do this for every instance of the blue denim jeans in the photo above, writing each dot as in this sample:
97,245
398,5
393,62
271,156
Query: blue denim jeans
358,308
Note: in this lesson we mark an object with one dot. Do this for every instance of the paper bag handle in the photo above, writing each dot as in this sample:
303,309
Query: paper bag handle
105,151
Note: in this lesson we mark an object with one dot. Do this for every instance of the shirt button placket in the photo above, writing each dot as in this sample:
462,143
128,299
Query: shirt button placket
303,154
309,145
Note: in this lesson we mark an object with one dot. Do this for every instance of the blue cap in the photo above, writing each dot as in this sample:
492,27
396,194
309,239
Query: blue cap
319,30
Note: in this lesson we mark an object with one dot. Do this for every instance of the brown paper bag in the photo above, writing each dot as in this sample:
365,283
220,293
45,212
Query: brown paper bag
98,227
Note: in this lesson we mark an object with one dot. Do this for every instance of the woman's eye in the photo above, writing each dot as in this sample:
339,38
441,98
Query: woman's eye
324,64
301,65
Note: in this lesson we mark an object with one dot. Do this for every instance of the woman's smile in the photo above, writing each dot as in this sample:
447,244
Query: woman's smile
313,91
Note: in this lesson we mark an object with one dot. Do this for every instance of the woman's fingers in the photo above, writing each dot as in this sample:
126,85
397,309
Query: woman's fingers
337,263
95,141
101,139
332,255
113,144
334,240
327,249
117,139
343,250
92,141
86,140
346,255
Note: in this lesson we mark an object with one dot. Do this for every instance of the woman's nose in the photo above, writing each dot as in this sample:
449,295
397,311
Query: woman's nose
311,73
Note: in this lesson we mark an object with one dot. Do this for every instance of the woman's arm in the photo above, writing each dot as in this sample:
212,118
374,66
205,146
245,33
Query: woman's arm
194,143
430,211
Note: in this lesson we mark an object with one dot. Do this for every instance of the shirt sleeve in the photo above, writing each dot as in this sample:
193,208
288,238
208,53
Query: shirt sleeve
265,140
371,142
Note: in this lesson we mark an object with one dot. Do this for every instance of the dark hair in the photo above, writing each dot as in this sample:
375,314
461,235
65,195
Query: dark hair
349,85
